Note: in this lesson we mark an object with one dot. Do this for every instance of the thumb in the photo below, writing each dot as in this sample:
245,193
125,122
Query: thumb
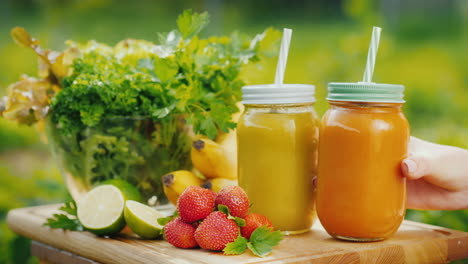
435,172
416,165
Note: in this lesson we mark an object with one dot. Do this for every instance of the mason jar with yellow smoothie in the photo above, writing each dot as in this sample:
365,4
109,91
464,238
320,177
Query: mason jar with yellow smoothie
277,153
363,139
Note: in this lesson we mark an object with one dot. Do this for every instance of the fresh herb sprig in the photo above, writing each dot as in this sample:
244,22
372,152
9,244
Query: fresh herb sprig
68,221
261,242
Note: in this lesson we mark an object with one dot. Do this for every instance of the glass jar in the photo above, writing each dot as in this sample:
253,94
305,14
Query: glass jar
277,154
361,192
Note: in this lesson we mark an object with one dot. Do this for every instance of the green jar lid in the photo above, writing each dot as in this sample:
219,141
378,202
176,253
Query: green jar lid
366,92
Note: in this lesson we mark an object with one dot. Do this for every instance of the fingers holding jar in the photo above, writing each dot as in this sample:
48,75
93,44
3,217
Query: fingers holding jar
437,176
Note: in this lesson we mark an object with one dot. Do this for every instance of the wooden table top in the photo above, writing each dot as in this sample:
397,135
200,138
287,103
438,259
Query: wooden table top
413,243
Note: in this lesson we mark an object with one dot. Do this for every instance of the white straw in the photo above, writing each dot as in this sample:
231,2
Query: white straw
373,48
283,56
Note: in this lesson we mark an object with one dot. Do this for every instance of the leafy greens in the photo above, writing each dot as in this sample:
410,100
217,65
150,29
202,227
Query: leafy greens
183,74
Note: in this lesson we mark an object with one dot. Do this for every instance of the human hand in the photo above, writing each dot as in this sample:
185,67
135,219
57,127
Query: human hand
437,176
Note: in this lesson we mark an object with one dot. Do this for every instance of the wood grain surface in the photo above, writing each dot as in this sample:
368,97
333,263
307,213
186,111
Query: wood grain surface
413,243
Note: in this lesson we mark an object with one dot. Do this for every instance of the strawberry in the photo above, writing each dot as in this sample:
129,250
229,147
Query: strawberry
252,222
235,198
180,234
195,203
216,231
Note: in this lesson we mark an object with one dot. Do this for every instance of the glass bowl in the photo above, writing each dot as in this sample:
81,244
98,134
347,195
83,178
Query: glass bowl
136,149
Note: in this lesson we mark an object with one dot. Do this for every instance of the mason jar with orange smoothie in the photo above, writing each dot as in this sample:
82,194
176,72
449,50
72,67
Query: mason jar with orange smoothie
361,192
277,138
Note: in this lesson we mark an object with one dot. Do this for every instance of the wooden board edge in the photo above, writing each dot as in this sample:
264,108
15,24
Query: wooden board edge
457,241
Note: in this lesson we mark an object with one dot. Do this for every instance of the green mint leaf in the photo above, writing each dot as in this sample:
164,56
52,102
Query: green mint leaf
190,24
224,209
237,247
263,239
64,222
69,208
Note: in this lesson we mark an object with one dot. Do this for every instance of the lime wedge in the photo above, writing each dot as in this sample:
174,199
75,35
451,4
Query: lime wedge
129,191
143,220
101,210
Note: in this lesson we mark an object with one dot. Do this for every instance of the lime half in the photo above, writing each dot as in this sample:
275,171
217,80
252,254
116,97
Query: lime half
129,191
101,210
143,220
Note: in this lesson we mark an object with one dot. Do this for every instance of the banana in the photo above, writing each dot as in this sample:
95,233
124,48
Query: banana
214,160
217,184
174,183
218,159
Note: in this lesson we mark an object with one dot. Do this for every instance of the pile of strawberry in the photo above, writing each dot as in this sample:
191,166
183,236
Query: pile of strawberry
219,222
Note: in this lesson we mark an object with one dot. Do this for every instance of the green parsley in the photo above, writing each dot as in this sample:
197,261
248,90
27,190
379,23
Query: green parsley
181,74
68,221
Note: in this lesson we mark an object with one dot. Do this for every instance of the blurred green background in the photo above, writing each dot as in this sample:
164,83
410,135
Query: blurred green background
423,46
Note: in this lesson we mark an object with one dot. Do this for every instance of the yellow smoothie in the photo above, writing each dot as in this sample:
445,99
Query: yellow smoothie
277,155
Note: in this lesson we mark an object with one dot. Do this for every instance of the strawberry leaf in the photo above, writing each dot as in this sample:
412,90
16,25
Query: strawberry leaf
239,221
237,247
224,209
263,240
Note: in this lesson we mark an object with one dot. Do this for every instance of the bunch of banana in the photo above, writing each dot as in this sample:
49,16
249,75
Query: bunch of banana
216,160
174,183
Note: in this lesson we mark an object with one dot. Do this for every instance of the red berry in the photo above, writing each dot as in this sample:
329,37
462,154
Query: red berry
235,198
180,234
252,222
195,203
216,231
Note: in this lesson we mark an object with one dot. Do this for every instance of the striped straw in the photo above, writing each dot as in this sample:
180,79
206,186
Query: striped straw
283,56
373,48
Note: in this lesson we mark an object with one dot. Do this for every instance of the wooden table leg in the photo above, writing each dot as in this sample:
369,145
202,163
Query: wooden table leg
51,255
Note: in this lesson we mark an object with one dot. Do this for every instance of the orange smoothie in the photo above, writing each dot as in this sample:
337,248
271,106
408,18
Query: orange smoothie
277,157
360,189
